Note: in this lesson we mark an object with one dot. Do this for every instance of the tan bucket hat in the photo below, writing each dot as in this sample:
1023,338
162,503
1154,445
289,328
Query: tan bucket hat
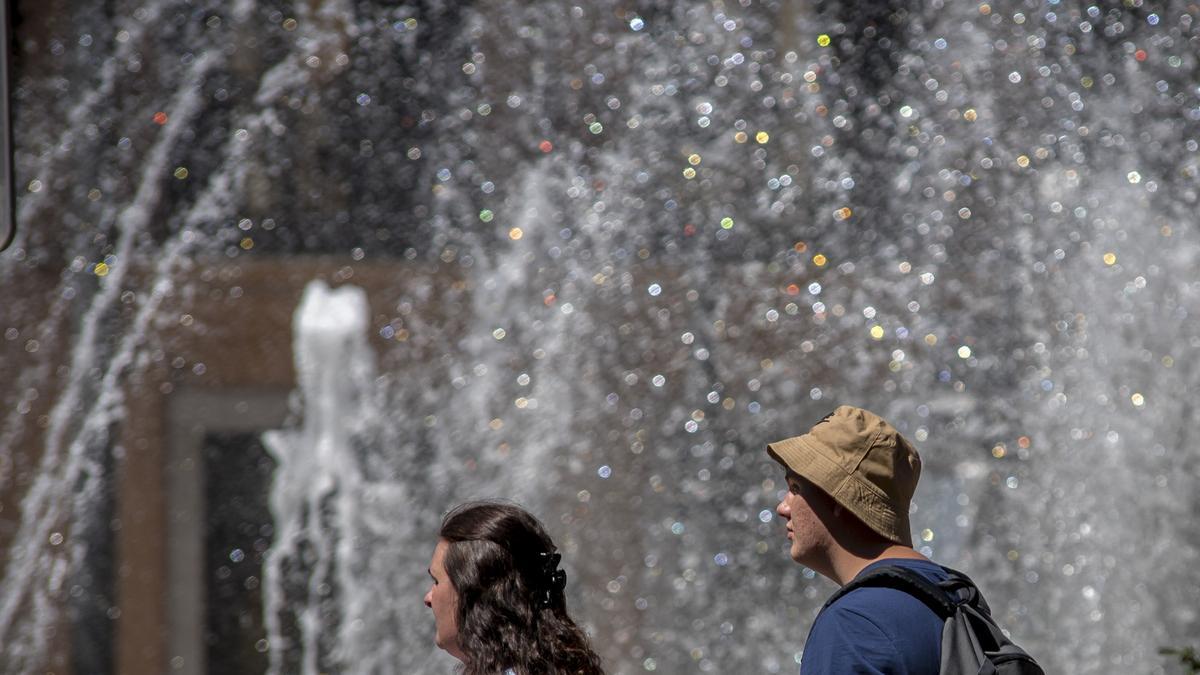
861,461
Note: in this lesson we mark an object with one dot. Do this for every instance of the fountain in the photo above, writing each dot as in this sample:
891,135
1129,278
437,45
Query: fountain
591,258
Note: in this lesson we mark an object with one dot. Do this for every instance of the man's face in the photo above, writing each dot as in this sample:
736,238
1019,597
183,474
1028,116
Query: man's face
809,536
443,600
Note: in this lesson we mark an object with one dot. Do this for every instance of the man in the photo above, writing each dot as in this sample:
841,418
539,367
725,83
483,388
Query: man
850,481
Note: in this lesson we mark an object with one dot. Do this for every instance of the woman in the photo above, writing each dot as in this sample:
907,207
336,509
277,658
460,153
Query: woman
497,596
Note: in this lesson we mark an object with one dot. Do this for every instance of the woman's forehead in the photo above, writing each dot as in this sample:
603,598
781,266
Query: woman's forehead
439,552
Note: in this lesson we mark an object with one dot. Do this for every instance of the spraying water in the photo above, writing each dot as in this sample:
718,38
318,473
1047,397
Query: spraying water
605,253
318,483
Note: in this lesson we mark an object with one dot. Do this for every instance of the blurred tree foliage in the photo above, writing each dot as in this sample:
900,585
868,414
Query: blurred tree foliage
1188,656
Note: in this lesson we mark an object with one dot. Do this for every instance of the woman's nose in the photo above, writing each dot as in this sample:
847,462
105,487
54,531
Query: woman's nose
429,599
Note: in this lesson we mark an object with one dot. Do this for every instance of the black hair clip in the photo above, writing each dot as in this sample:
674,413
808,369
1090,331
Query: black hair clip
553,580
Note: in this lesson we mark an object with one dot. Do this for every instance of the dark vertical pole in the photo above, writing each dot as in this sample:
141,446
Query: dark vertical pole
8,188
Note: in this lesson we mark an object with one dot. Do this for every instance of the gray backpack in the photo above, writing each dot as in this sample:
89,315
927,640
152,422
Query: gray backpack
972,643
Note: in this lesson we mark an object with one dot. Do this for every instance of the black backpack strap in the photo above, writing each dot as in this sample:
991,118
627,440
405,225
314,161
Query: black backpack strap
964,591
938,597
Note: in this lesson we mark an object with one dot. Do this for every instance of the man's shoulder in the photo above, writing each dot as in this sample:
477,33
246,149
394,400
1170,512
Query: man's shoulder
888,607
922,567
877,629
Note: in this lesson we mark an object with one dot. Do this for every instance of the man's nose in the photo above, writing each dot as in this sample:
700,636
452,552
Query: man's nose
783,510
429,599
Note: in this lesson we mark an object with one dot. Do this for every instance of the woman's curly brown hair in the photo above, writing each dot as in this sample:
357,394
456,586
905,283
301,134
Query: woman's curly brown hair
511,608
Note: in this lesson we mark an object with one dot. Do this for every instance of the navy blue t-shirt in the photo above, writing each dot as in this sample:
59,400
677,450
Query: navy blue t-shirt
877,631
